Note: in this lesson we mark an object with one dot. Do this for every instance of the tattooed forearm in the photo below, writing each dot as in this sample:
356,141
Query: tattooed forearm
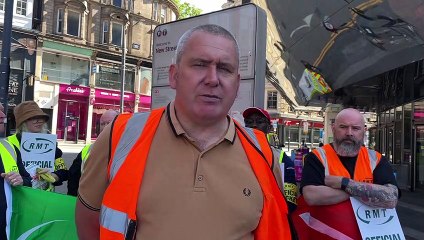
374,195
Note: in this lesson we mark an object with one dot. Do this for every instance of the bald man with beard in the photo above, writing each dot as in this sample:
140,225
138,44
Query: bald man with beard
337,171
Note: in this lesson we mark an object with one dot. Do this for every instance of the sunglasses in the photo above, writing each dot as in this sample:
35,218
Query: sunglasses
36,120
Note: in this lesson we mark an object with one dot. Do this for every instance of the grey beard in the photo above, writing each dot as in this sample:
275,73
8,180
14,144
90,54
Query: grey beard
348,149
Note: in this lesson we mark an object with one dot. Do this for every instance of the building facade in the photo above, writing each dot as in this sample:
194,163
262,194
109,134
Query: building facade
79,60
22,52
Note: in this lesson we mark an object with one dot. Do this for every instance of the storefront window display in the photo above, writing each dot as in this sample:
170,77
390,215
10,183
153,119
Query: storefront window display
64,69
110,77
73,109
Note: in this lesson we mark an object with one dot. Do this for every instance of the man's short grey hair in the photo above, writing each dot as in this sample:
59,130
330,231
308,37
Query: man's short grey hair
208,28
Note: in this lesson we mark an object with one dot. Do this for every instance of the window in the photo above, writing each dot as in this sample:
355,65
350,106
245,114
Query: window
74,20
173,16
64,69
163,14
59,24
155,10
117,3
2,5
117,34
110,77
272,100
21,7
105,32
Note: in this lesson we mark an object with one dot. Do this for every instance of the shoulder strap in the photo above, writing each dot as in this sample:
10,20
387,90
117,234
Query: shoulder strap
257,139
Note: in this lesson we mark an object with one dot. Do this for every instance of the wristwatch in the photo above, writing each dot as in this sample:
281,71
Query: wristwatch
345,182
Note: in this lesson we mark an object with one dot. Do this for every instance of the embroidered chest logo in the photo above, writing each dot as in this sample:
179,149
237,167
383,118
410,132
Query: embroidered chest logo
247,192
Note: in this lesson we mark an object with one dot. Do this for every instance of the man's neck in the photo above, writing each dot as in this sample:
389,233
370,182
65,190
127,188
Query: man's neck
205,133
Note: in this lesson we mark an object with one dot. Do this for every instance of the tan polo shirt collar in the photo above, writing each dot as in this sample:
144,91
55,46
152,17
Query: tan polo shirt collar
178,129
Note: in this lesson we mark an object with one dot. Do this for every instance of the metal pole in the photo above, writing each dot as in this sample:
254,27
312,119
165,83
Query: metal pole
124,56
5,57
151,31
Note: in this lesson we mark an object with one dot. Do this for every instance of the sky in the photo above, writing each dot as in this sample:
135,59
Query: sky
207,5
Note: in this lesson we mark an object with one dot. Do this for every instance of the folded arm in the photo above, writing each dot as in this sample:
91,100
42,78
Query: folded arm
374,195
323,195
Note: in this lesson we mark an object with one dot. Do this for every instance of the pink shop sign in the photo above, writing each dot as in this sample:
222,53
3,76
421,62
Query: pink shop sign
114,95
74,90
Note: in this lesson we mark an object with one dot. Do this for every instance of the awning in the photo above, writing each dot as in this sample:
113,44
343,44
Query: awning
348,42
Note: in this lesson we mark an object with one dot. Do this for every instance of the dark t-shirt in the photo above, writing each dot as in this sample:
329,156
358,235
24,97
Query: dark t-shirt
74,176
313,171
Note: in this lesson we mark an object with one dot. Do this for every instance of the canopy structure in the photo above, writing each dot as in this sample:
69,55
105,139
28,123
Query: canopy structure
352,44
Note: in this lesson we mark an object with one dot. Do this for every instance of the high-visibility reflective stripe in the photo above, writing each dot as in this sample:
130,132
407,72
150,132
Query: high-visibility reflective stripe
10,149
133,130
373,158
323,156
252,136
113,220
8,156
13,139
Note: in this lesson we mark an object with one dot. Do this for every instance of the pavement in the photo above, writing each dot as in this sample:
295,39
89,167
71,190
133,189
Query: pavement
410,211
410,207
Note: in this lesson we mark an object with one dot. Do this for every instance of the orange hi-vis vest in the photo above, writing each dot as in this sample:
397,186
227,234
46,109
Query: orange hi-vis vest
132,136
334,221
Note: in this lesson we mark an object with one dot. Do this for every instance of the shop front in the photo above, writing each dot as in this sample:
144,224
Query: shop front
109,99
72,112
296,132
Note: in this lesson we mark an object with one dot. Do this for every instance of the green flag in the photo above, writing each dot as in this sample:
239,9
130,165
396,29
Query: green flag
37,214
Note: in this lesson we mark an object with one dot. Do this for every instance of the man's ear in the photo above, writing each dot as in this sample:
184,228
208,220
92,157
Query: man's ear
173,76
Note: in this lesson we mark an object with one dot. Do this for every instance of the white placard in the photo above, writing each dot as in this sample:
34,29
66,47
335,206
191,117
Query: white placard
377,223
38,149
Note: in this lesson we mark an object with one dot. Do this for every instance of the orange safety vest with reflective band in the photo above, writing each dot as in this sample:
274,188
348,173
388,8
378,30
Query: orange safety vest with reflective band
334,221
132,136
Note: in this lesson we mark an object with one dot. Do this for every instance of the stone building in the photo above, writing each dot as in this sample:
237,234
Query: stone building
80,51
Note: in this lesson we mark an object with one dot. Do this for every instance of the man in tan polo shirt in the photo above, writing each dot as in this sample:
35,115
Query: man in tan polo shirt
198,182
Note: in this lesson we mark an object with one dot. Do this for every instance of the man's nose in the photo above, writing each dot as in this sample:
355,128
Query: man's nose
212,76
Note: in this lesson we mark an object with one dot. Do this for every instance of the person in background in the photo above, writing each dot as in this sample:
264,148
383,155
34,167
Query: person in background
259,118
340,170
12,172
78,164
30,118
188,170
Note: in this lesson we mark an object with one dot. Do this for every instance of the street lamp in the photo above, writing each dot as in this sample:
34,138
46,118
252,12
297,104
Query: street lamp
123,59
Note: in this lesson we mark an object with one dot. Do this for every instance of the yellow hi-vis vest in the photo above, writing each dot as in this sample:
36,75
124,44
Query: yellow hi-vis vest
85,152
8,156
13,139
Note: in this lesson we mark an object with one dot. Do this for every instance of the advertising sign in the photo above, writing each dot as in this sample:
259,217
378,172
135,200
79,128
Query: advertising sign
248,25
74,90
113,95
146,81
377,223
